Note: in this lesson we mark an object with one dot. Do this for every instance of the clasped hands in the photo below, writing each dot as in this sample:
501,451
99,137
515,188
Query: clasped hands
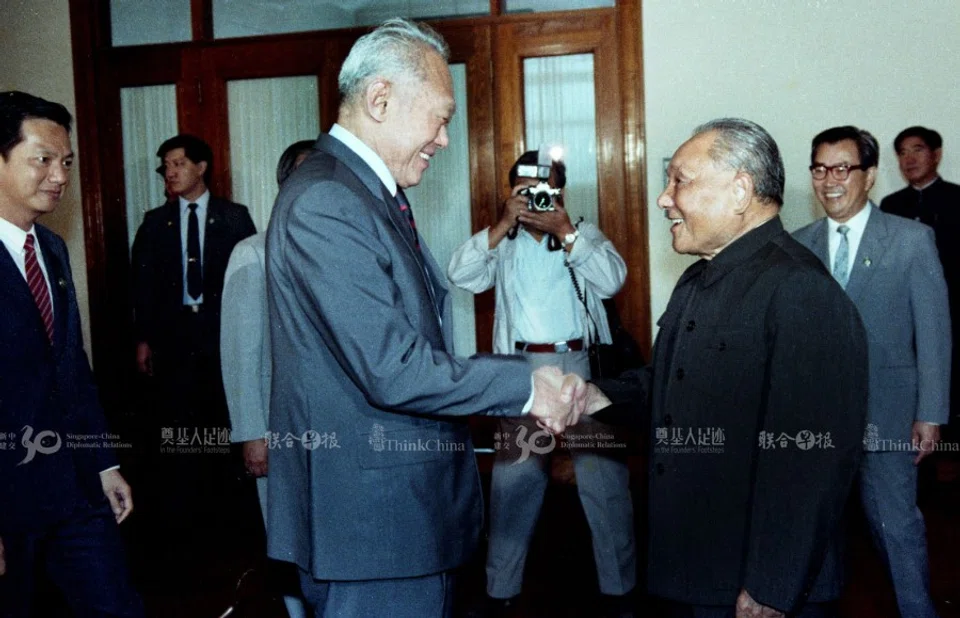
560,400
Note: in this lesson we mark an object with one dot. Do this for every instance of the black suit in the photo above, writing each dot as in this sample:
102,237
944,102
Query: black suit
185,346
53,504
185,393
755,347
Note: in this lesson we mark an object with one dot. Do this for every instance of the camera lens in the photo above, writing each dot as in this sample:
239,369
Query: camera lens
542,201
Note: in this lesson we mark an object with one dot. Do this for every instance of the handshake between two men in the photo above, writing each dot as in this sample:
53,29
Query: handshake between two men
559,400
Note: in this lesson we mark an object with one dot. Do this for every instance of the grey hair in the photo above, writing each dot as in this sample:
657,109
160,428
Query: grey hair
746,146
394,50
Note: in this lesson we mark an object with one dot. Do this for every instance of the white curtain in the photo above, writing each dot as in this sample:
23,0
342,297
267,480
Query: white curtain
148,117
559,110
266,116
441,205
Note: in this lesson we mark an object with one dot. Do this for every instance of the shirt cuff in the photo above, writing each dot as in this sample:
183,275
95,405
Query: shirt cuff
117,467
527,406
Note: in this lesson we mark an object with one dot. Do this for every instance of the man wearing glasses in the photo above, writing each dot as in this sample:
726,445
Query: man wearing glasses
888,265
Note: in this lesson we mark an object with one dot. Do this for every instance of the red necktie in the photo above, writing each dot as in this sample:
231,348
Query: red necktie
38,285
405,209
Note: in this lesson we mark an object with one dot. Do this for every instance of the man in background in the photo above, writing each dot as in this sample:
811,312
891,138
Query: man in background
550,278
62,496
245,357
179,259
378,497
888,266
930,199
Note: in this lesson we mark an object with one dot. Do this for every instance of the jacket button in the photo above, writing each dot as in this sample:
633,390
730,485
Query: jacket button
691,325
680,373
668,420
721,346
660,469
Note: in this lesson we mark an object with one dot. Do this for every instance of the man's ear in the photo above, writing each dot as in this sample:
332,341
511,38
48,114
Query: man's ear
871,177
743,190
203,167
937,154
376,97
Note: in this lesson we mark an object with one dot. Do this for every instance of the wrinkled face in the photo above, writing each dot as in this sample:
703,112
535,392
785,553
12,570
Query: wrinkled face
415,128
918,163
35,174
842,199
700,200
183,177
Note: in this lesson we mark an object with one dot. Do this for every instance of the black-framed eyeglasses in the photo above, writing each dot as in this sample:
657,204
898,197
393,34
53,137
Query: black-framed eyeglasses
839,172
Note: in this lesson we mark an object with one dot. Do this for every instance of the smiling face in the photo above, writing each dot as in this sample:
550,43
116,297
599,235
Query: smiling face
35,174
842,199
701,200
415,125
918,163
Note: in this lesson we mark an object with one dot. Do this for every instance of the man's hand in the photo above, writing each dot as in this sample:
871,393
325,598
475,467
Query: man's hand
924,437
555,222
255,457
118,493
595,400
3,558
558,400
748,608
512,208
144,358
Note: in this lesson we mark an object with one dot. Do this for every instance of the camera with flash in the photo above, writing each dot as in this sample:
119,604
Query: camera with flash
540,196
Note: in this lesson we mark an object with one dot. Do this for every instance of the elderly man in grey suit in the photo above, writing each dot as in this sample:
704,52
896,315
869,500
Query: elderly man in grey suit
378,497
889,268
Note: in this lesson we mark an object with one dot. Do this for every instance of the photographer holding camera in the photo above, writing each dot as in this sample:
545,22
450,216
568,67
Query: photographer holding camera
550,277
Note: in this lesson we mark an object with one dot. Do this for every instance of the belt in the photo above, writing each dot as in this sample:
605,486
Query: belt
574,345
193,308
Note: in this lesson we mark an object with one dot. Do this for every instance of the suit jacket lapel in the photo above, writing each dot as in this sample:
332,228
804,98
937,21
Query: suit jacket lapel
388,202
872,247
820,247
15,294
172,243
211,232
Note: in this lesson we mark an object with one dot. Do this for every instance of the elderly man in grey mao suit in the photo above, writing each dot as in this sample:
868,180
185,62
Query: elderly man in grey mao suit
381,498
889,268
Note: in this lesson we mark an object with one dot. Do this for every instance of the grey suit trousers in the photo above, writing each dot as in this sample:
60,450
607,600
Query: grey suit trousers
518,484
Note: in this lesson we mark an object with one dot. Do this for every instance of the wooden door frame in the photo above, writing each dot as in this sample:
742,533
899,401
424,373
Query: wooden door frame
100,70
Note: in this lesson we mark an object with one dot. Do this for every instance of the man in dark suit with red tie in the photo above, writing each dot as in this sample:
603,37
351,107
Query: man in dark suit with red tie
61,493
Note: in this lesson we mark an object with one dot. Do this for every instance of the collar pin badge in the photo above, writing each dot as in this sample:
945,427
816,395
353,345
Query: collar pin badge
867,261
62,283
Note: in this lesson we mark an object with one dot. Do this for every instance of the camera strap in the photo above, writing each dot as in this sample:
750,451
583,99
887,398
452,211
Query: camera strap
593,330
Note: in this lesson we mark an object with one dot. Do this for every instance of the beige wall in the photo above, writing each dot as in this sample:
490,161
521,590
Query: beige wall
796,67
36,57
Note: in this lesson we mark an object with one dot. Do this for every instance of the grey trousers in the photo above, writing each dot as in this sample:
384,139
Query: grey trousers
520,475
888,488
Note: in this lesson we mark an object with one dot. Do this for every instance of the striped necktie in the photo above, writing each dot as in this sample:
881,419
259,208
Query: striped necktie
38,285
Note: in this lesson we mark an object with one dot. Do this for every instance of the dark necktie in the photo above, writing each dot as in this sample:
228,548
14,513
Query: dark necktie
194,267
38,285
408,212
